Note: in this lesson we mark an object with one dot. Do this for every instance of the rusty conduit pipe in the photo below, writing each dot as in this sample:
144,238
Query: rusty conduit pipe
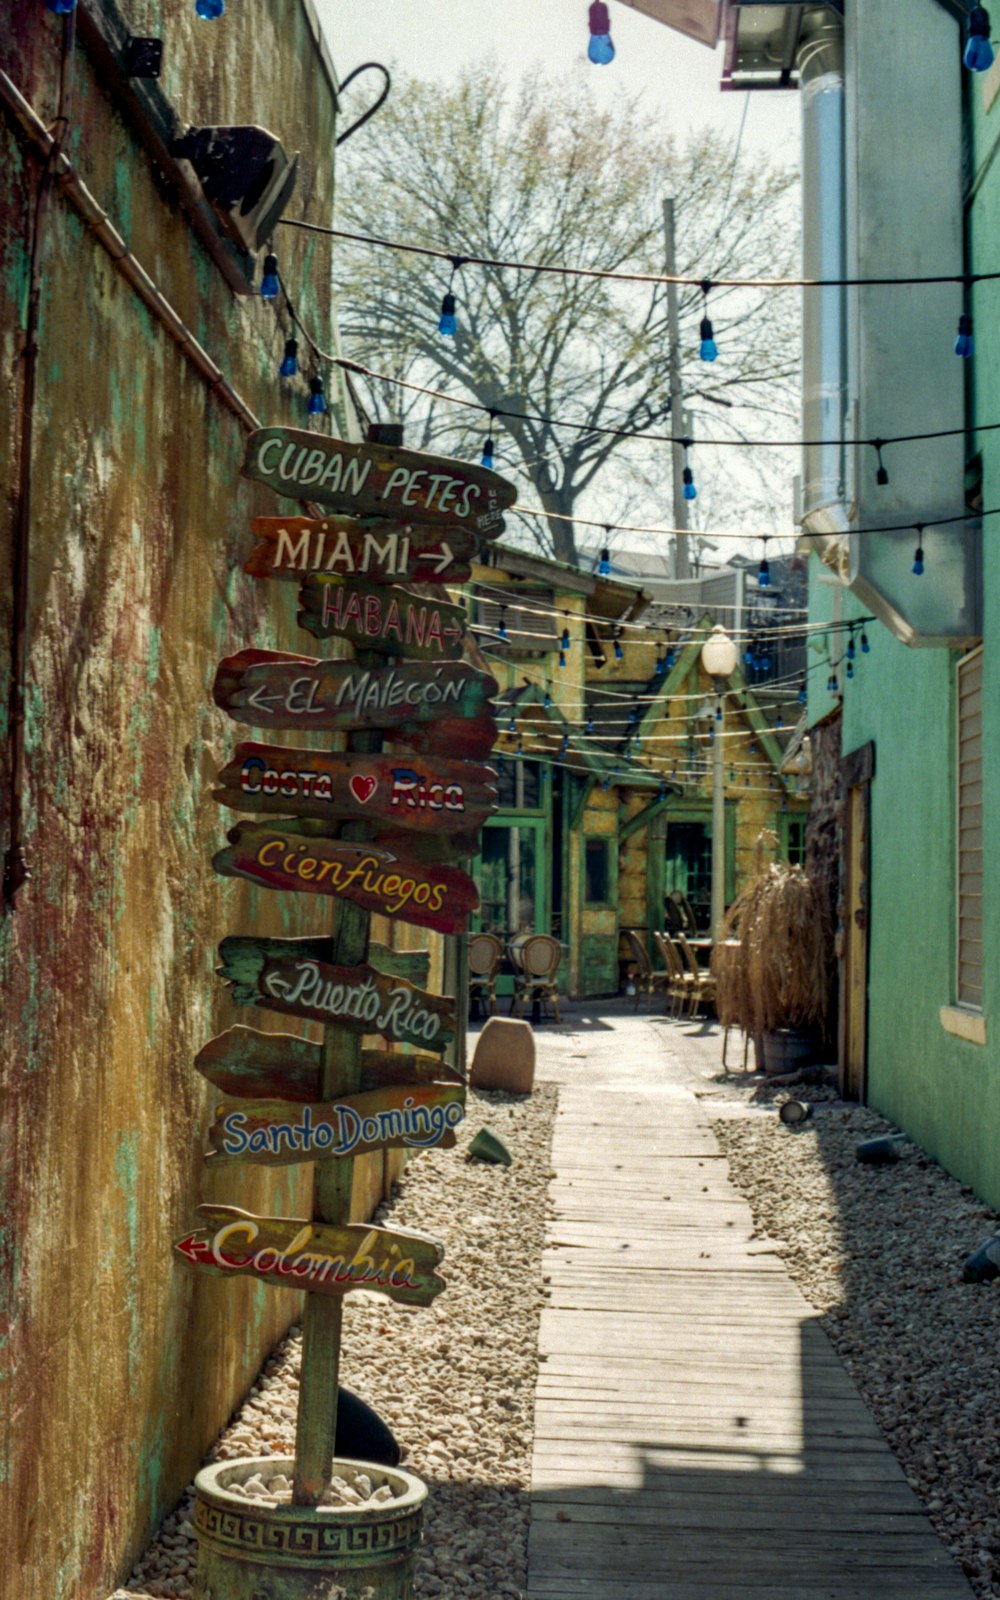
58,170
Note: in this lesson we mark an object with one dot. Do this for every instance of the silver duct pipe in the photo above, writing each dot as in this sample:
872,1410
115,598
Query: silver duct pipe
825,495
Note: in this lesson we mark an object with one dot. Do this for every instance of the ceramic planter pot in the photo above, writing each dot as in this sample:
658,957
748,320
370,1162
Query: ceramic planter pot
248,1550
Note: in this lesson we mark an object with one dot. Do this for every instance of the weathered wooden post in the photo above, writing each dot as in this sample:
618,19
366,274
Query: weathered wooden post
378,833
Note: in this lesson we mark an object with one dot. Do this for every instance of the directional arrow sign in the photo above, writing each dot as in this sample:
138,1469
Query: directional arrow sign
388,620
409,794
416,1116
320,1257
373,548
378,480
427,707
279,975
248,1065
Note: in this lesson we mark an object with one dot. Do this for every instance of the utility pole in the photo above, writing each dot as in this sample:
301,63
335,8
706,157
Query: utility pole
682,565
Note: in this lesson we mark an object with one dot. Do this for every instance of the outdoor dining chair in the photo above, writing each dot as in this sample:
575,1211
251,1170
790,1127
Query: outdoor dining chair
537,959
647,980
680,984
485,955
702,982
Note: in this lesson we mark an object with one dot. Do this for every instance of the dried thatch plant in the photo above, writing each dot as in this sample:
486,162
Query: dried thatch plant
781,974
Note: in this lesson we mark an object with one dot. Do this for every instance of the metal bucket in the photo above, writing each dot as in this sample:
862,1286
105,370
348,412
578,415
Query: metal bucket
248,1550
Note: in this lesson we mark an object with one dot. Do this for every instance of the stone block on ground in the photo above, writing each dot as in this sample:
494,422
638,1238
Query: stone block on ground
504,1057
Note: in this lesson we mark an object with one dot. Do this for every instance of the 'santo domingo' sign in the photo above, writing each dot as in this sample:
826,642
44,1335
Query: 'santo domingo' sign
249,1065
274,974
322,1258
378,480
409,794
290,858
416,1116
428,707
372,548
388,620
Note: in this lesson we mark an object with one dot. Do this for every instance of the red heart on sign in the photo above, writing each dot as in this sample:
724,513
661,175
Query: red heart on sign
363,786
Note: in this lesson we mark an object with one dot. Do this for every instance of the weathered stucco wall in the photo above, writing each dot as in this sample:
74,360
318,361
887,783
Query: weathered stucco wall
117,1364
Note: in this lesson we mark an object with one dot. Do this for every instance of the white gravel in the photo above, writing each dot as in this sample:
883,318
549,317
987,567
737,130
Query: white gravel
880,1250
454,1381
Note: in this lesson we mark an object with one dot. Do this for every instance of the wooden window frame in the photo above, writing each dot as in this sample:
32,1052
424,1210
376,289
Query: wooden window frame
971,662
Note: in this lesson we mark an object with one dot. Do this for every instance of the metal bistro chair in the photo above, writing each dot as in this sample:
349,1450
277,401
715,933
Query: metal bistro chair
537,957
485,955
680,984
702,982
647,981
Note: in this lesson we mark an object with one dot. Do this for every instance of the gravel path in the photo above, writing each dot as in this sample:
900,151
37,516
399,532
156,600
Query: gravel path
879,1250
455,1382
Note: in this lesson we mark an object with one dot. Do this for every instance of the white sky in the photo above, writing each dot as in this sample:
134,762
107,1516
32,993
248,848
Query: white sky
677,78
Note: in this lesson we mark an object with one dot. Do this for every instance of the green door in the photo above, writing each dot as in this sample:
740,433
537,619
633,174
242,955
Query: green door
513,884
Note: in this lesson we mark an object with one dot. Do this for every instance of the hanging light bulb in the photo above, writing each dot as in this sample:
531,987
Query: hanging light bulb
802,694
447,322
851,648
865,646
317,399
208,10
590,725
562,658
489,448
564,641
290,361
661,666
687,476
600,49
881,476
604,565
978,53
918,559
849,670
62,8
520,748
565,744
270,286
671,658
708,349
964,342
502,626
512,724
764,570
547,702
619,652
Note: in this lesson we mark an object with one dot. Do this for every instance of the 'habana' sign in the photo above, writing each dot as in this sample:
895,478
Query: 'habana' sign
443,707
249,1065
378,480
373,548
281,975
415,1116
388,620
320,1257
408,794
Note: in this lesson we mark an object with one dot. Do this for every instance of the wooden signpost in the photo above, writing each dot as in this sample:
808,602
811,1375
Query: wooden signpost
369,547
324,1259
292,857
428,707
396,517
378,480
248,1065
405,793
417,1115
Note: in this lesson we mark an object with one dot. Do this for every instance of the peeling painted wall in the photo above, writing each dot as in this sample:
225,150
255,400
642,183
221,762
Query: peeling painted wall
118,1365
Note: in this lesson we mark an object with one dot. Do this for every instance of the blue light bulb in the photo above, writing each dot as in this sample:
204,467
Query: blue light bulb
918,561
671,658
600,49
512,726
709,349
802,695
317,399
660,667
978,54
590,725
850,670
290,363
604,565
851,650
619,652
562,658
486,459
689,491
208,10
764,574
62,8
547,702
502,627
963,344
269,285
865,646
447,322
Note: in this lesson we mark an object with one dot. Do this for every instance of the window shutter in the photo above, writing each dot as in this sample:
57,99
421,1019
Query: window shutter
969,831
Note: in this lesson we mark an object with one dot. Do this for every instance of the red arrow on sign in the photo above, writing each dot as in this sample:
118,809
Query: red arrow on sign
197,1249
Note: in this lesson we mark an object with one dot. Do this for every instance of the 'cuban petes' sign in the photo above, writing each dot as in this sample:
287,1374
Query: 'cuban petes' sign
249,1065
378,480
416,1116
428,707
372,548
279,975
388,620
320,1257
409,794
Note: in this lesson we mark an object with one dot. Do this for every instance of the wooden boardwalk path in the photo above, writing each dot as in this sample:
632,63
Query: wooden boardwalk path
696,1436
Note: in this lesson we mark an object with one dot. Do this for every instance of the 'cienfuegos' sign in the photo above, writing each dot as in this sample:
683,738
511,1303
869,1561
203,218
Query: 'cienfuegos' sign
378,480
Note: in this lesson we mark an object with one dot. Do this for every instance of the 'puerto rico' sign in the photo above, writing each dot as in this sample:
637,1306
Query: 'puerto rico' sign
372,548
378,480
320,1257
416,1116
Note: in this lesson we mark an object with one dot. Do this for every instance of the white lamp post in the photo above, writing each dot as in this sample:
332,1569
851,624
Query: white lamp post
718,657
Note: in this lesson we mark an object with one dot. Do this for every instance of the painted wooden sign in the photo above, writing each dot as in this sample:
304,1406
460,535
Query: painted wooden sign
279,975
408,794
320,1257
388,620
378,480
292,858
427,707
374,548
249,1065
415,1116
